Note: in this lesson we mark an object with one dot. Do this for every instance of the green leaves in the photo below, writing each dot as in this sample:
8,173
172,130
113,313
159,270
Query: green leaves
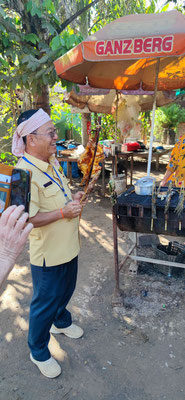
33,9
151,8
49,28
3,156
168,118
2,12
7,158
49,6
29,43
5,41
173,115
29,6
24,77
65,42
56,43
2,28
31,37
4,62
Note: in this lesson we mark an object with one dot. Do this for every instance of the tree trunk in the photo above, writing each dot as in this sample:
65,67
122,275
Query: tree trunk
171,136
41,100
27,100
85,117
165,136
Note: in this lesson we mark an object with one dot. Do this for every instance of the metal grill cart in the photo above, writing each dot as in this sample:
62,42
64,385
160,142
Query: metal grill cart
134,213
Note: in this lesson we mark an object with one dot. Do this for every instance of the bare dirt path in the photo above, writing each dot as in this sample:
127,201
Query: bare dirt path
132,353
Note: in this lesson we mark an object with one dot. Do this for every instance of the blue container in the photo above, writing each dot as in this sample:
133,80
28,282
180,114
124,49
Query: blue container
75,173
60,146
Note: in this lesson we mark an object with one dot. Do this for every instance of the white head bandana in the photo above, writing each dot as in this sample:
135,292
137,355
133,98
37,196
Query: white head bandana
25,128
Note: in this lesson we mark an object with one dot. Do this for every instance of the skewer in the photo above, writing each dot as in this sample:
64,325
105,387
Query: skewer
154,198
89,187
158,190
180,205
88,190
167,205
128,194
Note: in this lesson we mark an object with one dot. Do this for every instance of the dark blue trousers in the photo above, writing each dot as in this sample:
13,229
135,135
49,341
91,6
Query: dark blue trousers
52,290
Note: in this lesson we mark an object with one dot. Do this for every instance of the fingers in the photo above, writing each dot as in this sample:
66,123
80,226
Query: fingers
78,196
80,193
72,209
26,231
5,215
74,205
13,221
13,216
77,211
20,223
75,202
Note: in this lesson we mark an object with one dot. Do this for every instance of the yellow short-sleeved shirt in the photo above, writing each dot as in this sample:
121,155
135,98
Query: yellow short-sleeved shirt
58,242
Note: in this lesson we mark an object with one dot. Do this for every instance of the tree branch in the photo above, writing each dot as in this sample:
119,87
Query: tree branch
77,14
92,26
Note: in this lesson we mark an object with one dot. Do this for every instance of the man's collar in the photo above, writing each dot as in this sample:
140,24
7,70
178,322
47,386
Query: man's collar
42,165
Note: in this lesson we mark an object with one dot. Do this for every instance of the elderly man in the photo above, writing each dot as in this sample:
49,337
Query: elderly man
54,241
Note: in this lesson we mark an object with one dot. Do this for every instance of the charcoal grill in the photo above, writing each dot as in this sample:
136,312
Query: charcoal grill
133,213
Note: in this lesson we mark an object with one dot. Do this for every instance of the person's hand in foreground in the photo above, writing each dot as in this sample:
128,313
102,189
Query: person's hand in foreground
14,232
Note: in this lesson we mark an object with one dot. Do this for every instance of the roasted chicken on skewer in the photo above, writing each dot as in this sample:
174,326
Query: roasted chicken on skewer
86,158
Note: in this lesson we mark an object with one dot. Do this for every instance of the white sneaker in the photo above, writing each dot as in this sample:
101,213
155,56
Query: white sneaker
73,331
49,368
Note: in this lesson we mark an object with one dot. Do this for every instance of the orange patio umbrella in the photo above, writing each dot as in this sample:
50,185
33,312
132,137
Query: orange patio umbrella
137,50
124,53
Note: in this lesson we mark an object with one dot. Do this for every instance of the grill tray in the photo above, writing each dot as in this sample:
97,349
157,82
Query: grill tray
133,213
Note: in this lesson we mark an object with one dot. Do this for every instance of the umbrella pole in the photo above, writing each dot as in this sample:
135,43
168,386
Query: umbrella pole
117,99
153,119
115,169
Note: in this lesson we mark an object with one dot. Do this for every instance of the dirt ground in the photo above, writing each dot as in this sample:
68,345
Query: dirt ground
134,352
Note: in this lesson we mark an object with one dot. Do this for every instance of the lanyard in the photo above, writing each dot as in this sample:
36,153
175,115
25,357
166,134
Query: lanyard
50,177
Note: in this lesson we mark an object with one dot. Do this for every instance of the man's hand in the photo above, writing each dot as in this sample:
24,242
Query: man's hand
77,196
72,209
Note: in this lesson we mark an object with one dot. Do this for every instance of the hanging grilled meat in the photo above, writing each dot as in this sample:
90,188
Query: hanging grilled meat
86,158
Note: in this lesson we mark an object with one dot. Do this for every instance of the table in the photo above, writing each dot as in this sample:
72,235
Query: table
155,155
70,160
126,155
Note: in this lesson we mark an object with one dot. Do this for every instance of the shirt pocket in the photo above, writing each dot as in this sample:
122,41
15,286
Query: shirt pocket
51,197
